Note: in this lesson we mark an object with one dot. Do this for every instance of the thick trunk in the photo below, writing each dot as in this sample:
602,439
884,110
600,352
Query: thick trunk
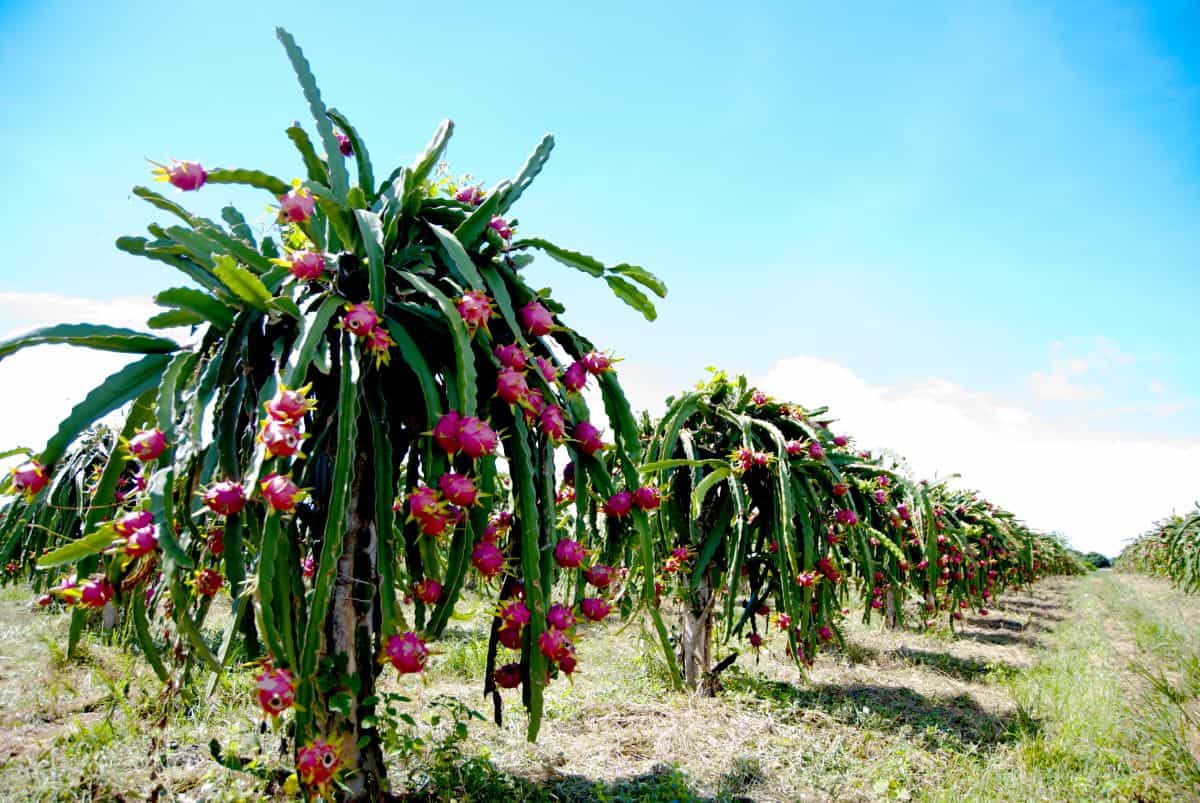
695,639
891,608
352,631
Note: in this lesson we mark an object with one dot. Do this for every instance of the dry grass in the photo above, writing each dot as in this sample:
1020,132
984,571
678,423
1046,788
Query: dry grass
984,712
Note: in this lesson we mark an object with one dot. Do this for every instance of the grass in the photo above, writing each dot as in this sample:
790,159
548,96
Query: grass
1080,690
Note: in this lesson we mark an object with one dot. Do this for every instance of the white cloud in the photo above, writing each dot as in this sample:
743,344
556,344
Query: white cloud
42,383
1157,387
1096,489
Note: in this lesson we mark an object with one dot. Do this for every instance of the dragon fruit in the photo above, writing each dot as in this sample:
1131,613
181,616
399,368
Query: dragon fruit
379,345
575,377
569,554
785,621
308,567
501,227
599,575
588,437
756,641
307,265
130,522
536,320
476,310
553,422
511,356
407,652
554,645
618,505
825,633
532,404
276,689
560,617
428,591
345,146
95,592
595,608
840,489
317,762
514,614
215,541
758,398
423,501
508,676
141,542
510,637
880,496
547,370
445,432
806,579
487,558
903,512
280,439
840,440
511,385
226,498
846,516
297,205
185,176
458,489
280,492
568,662
647,497
208,582
794,447
816,451
360,319
148,444
441,521
596,363
476,439
471,194
289,406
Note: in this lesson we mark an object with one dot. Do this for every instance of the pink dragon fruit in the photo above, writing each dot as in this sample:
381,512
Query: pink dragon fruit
141,542
588,437
845,516
647,497
424,501
511,356
575,377
225,498
458,489
511,385
547,370
289,406
510,637
840,489
445,432
816,451
596,363
554,645
840,440
487,558
476,310
379,345
280,492
276,689
569,554
756,641
758,398
903,512
280,439
307,265
825,633
298,205
501,227
785,621
317,762
345,146
794,447
186,176
599,575
407,652
560,617
360,319
215,541
428,591
471,194
553,422
308,567
595,608
148,444
742,459
619,505
514,614
536,320
208,582
130,522
443,520
95,592
532,405
476,439
508,676
806,579
567,663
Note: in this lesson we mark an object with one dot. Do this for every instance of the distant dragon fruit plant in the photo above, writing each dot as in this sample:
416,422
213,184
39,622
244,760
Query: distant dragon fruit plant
327,442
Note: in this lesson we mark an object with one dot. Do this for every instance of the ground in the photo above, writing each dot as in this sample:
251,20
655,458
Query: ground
1080,689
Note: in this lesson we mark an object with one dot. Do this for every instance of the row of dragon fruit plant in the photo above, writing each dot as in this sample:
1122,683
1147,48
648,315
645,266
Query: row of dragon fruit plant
329,446
1170,549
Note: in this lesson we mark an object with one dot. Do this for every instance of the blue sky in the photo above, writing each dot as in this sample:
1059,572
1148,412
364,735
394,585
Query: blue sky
1000,197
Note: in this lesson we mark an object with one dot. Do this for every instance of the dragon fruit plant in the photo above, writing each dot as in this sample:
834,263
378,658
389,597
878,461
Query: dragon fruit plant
327,440
1170,549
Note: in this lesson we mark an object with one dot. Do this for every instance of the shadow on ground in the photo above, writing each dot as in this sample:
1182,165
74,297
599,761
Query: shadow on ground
957,723
967,669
